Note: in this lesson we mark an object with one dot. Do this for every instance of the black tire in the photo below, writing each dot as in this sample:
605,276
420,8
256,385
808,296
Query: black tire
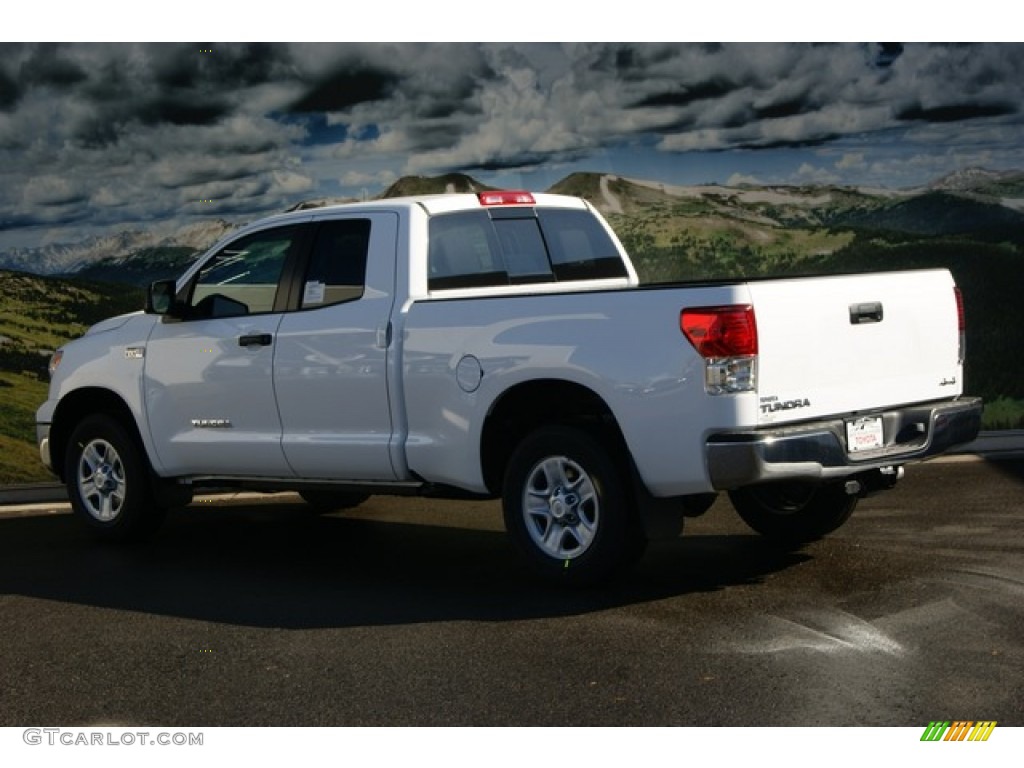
109,482
581,527
325,502
697,504
794,513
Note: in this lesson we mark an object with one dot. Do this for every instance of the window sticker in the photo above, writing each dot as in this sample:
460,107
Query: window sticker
314,293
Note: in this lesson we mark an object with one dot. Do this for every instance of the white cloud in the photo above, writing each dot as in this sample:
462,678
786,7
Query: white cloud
364,179
811,174
291,183
851,161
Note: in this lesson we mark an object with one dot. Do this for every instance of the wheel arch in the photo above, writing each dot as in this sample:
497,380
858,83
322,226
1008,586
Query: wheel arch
74,407
527,406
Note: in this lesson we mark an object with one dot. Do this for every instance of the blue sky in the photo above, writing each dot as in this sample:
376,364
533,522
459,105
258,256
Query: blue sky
103,136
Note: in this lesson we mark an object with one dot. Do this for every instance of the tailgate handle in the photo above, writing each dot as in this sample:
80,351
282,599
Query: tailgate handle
870,312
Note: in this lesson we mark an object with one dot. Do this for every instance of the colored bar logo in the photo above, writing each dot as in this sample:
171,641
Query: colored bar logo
959,730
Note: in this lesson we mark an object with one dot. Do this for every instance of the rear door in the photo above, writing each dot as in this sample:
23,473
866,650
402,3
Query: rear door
331,365
836,345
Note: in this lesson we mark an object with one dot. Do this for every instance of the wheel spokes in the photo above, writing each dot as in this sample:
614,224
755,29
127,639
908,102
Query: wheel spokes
101,480
560,506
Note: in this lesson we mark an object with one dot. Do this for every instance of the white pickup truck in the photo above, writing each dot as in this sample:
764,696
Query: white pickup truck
500,345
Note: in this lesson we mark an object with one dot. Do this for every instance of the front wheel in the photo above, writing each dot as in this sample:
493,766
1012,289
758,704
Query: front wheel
567,507
108,481
794,513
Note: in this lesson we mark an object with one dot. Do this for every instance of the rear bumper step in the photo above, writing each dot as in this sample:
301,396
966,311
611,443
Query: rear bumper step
818,450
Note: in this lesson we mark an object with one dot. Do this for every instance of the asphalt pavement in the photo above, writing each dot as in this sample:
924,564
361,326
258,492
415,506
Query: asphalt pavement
416,612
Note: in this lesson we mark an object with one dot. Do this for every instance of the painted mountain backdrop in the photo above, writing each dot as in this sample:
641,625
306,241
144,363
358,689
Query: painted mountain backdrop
769,221
971,222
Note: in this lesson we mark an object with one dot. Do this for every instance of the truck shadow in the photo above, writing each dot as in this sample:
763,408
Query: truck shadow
281,568
1011,468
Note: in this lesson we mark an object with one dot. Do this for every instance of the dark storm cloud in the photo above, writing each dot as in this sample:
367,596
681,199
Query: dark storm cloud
818,141
180,109
175,84
786,108
887,53
460,97
954,113
10,92
208,66
524,160
47,66
346,88
688,94
632,63
45,217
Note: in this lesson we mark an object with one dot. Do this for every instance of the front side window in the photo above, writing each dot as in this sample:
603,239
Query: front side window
243,278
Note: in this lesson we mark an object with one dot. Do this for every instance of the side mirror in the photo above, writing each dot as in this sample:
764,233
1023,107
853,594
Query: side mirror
161,298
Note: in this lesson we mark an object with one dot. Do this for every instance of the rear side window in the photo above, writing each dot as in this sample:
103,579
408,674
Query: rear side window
337,263
579,246
513,246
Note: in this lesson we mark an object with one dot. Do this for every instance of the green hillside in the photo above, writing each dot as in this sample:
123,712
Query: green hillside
939,213
36,316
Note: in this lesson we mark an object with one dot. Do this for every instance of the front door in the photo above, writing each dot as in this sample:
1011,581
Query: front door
209,376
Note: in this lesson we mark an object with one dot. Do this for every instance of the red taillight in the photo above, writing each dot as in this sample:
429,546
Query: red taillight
961,324
506,197
720,331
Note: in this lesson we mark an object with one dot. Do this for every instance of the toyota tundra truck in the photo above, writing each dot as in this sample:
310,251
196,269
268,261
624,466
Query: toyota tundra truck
500,345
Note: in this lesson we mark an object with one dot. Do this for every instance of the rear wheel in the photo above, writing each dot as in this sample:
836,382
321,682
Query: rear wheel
794,513
567,507
108,481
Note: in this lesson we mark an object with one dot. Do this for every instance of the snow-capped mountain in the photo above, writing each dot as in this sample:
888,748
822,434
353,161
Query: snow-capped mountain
69,258
974,179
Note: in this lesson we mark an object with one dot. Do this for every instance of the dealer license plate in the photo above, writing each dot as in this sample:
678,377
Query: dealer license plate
864,434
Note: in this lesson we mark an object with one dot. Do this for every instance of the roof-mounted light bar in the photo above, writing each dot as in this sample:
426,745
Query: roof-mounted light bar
506,197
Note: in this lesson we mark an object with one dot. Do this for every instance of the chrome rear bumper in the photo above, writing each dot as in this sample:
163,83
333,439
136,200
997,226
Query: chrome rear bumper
818,451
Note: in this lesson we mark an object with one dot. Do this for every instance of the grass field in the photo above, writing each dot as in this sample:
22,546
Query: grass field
19,460
37,315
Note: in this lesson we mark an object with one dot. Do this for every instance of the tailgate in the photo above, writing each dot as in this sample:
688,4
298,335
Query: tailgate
838,345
